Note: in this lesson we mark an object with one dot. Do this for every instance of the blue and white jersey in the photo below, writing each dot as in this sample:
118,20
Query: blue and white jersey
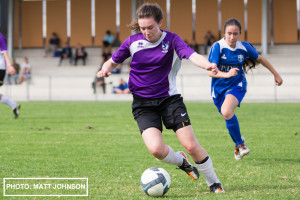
227,58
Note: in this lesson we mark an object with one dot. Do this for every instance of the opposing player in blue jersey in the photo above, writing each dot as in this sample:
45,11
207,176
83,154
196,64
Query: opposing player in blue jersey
156,58
5,62
228,88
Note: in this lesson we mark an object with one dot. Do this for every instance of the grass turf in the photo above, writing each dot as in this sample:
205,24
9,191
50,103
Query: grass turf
101,141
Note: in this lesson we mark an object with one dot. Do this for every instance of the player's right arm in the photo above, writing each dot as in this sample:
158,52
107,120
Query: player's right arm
106,69
10,68
214,57
232,72
117,58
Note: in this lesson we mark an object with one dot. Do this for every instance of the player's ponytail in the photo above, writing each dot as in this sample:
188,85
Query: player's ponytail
250,64
146,10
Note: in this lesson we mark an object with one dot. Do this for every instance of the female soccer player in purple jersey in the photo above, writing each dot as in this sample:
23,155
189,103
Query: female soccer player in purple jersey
5,62
156,58
229,89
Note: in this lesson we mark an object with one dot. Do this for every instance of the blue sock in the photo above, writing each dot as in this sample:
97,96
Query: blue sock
234,130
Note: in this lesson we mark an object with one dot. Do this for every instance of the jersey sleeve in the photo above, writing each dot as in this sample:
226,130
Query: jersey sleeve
183,50
3,47
214,54
251,51
122,53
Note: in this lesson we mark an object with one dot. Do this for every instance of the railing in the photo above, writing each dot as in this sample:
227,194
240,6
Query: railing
193,87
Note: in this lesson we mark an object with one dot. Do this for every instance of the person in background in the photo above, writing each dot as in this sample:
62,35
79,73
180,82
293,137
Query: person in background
66,53
235,57
209,39
53,44
26,71
122,88
15,76
109,38
80,53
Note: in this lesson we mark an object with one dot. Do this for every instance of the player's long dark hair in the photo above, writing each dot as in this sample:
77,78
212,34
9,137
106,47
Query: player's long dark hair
233,21
145,11
250,64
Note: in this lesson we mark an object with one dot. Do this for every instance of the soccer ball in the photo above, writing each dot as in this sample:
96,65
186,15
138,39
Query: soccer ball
155,181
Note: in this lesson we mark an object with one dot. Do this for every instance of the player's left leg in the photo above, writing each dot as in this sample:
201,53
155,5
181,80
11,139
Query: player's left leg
15,107
232,124
203,162
4,99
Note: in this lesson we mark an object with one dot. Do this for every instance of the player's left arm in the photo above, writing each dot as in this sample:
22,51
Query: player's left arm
184,51
11,69
268,65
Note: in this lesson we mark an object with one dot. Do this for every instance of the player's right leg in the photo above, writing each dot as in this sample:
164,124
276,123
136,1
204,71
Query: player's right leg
150,125
154,141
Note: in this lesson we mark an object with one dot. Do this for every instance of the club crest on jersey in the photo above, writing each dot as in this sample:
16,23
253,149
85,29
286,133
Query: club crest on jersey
165,47
240,58
140,45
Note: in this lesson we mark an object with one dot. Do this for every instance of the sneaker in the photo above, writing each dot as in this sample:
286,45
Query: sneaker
237,155
216,188
191,170
243,149
16,111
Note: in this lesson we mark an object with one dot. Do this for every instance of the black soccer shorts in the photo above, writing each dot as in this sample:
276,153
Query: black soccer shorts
152,112
2,76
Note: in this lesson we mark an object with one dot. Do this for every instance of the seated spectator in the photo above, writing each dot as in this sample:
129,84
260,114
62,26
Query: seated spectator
66,53
99,82
194,46
209,40
108,39
15,77
122,88
80,53
26,71
53,45
106,54
117,70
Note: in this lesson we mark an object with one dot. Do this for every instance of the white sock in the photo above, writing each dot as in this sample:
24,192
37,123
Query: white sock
208,172
172,158
8,102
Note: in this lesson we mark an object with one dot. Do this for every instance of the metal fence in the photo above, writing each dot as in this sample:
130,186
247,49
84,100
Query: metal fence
193,87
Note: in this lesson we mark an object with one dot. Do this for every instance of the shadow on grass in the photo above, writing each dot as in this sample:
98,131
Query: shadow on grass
262,161
242,188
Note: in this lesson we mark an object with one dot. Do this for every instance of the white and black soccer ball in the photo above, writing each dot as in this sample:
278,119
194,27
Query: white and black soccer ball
155,181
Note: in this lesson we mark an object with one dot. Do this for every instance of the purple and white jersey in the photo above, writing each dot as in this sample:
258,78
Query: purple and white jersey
154,66
3,48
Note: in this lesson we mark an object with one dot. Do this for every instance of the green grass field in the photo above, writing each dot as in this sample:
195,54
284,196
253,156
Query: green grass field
101,141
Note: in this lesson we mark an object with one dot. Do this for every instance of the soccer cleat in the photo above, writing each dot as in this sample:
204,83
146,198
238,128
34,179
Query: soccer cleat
191,170
237,155
216,188
16,111
243,149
